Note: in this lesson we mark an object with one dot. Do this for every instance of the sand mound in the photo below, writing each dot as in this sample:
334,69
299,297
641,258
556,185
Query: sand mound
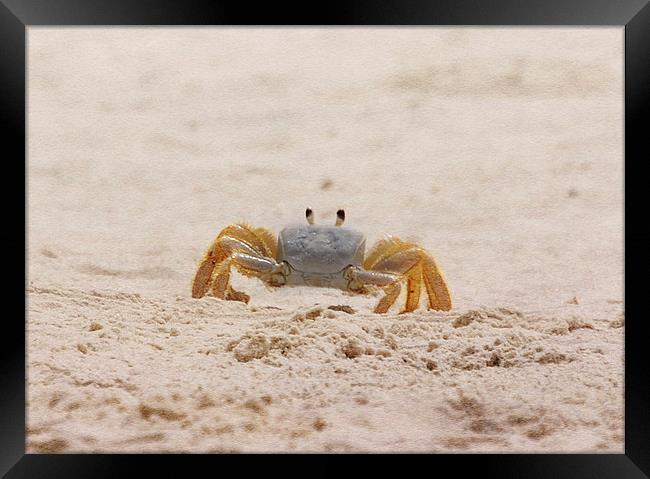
230,378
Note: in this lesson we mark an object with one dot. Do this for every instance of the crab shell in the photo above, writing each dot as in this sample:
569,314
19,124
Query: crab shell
318,255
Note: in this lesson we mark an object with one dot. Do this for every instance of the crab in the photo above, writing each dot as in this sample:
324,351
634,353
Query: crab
321,256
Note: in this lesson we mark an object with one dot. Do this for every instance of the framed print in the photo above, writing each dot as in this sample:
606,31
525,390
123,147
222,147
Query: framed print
382,230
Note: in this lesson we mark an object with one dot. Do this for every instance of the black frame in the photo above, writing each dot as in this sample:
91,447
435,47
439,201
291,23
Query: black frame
16,15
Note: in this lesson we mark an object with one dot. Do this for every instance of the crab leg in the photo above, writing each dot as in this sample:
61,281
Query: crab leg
439,297
214,269
261,267
390,282
412,263
360,277
221,250
255,263
414,285
265,268
392,293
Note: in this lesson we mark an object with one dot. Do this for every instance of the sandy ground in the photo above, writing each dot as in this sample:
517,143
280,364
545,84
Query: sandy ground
499,150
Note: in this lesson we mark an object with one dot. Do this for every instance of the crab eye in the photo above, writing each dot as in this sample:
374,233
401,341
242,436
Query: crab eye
310,216
340,217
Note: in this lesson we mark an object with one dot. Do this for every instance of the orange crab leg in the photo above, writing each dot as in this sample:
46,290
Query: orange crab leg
437,291
415,265
414,284
213,271
392,292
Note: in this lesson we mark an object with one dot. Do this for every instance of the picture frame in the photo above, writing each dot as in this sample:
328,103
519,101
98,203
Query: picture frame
634,15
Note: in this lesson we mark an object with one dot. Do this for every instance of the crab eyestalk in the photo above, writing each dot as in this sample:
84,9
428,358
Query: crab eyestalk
340,217
310,216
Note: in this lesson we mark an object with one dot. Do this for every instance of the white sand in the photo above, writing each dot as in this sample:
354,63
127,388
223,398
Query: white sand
499,150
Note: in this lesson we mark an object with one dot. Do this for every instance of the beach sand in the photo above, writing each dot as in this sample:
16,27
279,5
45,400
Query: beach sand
499,150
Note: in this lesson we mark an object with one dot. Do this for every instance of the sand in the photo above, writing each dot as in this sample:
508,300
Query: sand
500,150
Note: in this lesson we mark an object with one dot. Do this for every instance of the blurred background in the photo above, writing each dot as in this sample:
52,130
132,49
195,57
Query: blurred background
498,149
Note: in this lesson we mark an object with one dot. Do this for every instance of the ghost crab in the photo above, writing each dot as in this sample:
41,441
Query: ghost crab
325,256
